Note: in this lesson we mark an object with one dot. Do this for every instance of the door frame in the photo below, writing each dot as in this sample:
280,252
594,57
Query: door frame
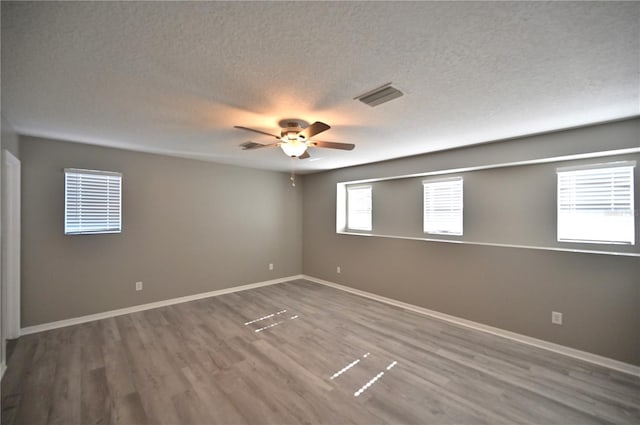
11,246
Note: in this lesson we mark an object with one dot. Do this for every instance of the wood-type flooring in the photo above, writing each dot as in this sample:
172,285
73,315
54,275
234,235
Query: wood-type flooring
300,353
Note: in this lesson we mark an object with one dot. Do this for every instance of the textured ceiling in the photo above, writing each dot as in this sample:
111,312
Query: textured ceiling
175,77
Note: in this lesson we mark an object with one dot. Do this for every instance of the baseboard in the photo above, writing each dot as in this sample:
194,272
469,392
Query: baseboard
556,348
550,346
119,312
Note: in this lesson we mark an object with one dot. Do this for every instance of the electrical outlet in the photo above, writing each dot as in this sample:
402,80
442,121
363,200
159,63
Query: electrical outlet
138,286
270,266
338,269
556,318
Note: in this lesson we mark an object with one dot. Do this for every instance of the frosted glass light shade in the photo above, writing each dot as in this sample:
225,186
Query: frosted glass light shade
293,147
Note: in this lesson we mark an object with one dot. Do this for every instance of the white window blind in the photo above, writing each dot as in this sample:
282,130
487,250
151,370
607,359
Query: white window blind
359,208
92,201
443,206
596,204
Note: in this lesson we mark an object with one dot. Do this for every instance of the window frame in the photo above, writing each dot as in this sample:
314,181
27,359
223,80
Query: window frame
459,213
116,202
348,206
582,170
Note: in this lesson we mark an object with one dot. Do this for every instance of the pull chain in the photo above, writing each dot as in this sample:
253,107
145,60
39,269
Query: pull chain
293,171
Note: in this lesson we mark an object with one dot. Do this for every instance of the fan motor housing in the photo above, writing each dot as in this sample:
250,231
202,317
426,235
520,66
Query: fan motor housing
291,128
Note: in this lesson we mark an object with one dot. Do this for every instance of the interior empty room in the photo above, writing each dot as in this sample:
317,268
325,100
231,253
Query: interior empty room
320,212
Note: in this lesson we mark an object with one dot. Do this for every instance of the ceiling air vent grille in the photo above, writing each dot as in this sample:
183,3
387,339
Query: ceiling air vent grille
380,95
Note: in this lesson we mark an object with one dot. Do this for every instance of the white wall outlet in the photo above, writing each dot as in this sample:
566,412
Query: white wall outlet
338,269
138,286
270,266
556,318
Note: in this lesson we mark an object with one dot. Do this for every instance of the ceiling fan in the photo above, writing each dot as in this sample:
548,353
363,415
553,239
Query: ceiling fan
295,138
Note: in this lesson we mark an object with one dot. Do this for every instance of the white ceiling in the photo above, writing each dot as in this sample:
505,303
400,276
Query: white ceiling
175,77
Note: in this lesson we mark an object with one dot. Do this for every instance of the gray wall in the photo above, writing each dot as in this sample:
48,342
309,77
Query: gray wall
510,288
191,227
511,205
188,227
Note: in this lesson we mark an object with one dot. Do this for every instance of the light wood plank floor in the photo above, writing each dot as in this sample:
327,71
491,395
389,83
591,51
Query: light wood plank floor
300,352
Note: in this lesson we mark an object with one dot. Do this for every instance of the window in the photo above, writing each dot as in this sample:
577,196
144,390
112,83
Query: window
443,206
359,208
92,201
595,204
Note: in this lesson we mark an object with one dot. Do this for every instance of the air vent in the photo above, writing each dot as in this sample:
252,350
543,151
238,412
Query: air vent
249,145
380,95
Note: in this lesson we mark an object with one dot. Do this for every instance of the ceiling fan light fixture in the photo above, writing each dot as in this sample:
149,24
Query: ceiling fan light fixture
293,147
295,137
289,136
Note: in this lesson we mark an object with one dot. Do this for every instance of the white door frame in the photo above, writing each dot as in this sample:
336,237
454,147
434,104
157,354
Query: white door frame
3,342
11,246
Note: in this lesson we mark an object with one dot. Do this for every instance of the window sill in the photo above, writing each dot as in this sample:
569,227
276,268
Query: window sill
499,245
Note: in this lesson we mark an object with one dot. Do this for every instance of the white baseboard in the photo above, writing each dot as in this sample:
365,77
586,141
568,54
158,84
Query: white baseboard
112,313
550,346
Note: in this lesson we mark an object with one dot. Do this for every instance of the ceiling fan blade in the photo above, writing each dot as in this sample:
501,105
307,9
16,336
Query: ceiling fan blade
253,145
315,128
305,155
333,145
256,131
